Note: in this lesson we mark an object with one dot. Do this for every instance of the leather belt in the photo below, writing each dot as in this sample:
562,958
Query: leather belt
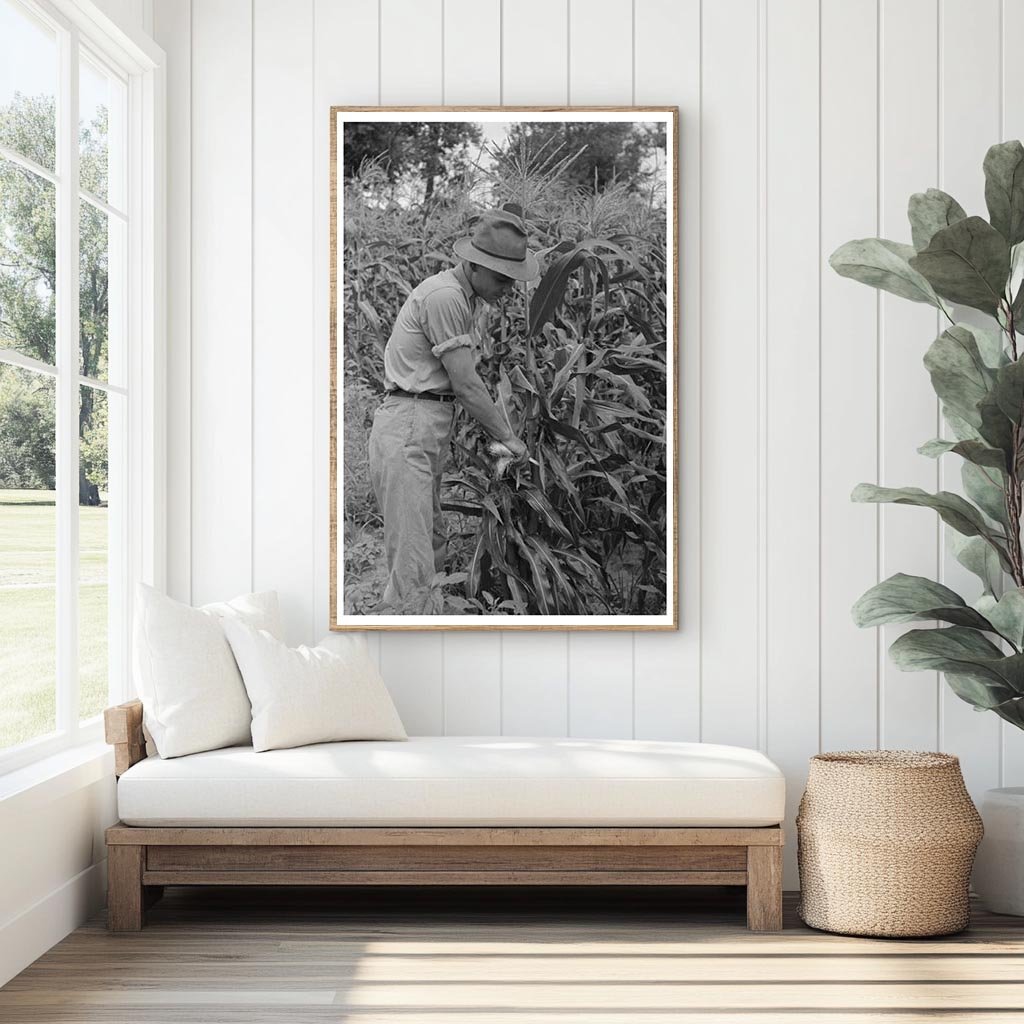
433,396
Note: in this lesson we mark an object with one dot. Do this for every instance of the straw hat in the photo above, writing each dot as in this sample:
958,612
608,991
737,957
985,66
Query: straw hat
498,242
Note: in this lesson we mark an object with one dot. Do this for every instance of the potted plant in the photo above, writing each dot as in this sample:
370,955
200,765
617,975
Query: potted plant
978,374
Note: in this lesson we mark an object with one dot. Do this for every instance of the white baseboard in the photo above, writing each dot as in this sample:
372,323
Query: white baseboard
25,938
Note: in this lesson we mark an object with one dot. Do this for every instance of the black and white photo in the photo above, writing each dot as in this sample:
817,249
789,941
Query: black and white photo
503,346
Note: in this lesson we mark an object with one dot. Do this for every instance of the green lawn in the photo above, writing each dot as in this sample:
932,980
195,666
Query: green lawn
28,617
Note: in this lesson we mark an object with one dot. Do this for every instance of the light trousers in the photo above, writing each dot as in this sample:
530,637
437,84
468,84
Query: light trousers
409,444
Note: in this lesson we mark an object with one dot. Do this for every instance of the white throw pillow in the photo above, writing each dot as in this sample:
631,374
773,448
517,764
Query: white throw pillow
192,693
309,694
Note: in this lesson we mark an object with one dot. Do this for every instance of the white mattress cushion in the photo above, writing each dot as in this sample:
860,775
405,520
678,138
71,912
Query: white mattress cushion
459,780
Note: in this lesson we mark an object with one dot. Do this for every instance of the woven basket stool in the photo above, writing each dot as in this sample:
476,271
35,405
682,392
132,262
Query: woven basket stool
885,844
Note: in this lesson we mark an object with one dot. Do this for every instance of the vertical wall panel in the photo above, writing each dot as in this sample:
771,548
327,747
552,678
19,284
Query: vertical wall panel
344,54
173,30
909,413
792,385
667,666
472,684
1012,127
600,52
472,74
535,66
535,673
411,52
849,368
535,676
411,72
666,674
221,377
472,52
600,72
601,684
729,387
283,309
969,124
412,665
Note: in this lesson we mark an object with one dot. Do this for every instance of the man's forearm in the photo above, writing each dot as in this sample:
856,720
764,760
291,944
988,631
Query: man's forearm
477,402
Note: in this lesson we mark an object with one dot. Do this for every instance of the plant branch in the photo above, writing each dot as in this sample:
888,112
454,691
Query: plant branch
1012,494
1011,330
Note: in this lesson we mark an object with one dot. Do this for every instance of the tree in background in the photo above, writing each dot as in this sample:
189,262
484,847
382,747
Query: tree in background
28,285
612,152
431,152
26,430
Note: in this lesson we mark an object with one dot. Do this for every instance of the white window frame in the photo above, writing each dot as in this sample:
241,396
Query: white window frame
141,64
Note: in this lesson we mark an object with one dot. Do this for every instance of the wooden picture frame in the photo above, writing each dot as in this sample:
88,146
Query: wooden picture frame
647,606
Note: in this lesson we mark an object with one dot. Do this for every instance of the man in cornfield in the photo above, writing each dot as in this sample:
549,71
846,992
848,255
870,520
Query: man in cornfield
429,364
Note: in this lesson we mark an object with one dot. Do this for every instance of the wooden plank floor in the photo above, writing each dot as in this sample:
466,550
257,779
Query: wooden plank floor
612,956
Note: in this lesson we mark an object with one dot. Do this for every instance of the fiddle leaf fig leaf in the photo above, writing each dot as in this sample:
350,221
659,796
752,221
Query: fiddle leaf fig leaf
996,428
883,264
959,374
1015,285
953,510
929,212
973,451
1004,189
960,514
1017,309
921,650
979,557
990,345
1009,390
967,263
1011,710
903,598
1006,614
983,694
984,486
961,651
962,430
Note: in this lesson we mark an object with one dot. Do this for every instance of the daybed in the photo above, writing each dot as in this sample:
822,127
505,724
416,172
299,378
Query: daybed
444,811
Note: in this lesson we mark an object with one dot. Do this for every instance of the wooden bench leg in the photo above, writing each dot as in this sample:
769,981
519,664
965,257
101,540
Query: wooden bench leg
764,888
125,898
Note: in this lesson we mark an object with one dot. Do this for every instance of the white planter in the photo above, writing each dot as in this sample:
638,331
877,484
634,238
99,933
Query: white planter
999,866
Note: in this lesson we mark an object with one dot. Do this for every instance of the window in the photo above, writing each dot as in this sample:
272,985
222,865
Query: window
78,257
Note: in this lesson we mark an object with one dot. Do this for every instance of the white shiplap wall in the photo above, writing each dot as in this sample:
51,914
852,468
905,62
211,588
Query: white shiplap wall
804,123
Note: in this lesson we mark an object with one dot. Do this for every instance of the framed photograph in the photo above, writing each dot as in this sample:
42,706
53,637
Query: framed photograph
504,421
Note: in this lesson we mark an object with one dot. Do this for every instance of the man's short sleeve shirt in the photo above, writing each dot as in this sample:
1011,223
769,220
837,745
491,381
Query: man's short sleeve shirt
437,316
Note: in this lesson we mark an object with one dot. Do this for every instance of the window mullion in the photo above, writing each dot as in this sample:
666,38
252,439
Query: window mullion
67,386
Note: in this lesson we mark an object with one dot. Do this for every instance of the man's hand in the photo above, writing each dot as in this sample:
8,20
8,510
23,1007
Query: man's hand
506,452
515,447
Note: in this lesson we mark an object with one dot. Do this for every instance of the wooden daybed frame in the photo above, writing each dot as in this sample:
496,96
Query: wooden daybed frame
142,860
